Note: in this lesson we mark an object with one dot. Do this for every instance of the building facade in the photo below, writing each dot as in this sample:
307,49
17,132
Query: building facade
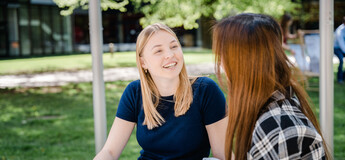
33,28
36,28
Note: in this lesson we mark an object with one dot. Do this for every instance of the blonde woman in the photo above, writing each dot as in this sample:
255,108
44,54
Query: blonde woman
177,117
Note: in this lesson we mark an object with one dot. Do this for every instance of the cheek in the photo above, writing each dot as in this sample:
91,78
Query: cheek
155,61
179,55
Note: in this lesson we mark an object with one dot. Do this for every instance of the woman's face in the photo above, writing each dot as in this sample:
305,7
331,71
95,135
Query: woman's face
289,23
162,56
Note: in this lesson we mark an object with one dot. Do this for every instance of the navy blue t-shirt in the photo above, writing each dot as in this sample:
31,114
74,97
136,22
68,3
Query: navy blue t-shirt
183,137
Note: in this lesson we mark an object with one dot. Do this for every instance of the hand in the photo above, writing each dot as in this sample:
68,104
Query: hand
292,52
300,32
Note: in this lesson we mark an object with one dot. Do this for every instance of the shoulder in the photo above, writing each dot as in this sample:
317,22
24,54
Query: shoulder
209,99
340,26
205,86
340,29
204,82
287,117
134,84
284,125
129,104
133,87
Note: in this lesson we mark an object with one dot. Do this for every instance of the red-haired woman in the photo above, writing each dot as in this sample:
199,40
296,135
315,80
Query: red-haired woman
269,113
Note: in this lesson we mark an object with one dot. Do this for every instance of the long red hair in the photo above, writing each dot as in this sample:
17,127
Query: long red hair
249,49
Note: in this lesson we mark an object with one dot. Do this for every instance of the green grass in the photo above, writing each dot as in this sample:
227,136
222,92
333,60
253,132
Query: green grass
339,114
84,61
54,122
57,122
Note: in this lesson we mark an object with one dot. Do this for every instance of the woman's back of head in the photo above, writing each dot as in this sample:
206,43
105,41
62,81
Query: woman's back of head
249,49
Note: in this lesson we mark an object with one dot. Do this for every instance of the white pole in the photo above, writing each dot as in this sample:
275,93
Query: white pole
326,71
96,39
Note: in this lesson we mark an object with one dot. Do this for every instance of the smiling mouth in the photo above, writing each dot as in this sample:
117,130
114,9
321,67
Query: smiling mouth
170,65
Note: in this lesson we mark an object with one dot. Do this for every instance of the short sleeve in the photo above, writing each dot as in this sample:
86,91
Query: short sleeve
127,109
213,102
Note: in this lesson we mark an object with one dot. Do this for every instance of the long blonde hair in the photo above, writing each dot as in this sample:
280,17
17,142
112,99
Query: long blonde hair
249,48
150,94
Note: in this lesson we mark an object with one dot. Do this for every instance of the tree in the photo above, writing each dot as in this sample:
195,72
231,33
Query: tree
176,13
185,12
70,5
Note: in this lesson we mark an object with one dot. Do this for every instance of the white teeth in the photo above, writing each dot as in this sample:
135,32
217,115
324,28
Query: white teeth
170,65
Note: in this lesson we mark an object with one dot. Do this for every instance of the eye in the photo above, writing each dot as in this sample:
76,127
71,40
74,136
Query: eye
158,51
174,46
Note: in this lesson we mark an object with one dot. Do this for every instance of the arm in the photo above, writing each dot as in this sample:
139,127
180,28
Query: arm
291,36
216,134
286,47
340,38
301,34
310,31
117,140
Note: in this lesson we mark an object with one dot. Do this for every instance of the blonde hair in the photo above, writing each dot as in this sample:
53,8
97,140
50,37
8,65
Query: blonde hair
150,94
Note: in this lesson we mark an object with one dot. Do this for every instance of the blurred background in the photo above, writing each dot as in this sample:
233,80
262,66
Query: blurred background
40,27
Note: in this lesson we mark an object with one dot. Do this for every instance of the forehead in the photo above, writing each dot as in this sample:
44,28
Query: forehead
160,37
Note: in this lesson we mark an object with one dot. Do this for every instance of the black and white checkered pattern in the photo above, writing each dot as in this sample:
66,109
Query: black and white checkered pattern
284,132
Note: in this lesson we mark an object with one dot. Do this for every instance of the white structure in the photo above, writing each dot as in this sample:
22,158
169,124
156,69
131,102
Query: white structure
326,71
96,41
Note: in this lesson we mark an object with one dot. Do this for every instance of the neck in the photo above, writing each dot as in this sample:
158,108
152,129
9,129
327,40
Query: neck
167,87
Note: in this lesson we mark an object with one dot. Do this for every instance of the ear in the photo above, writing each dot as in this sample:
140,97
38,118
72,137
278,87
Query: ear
143,64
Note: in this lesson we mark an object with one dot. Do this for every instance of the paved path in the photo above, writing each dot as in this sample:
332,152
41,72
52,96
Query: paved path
113,74
62,78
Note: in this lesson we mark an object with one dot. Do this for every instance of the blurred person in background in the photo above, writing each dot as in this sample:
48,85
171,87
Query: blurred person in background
285,23
339,50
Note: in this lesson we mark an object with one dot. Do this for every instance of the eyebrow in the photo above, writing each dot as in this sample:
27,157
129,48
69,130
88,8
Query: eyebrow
158,45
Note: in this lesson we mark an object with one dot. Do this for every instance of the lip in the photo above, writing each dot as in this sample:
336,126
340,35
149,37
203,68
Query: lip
170,63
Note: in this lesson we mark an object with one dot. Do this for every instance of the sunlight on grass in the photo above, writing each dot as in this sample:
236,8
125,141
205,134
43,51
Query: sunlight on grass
57,122
84,61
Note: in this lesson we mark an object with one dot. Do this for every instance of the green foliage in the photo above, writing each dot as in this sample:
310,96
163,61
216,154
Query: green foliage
185,13
70,5
176,13
275,8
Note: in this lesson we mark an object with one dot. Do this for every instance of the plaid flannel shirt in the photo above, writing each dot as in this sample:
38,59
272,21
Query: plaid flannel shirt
284,132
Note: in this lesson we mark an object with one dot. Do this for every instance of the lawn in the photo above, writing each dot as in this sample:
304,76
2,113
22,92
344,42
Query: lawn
57,122
83,61
54,122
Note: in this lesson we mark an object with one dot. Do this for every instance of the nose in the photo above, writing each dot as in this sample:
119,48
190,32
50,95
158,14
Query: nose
169,54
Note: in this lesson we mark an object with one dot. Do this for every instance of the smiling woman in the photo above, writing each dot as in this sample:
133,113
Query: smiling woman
177,117
163,60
